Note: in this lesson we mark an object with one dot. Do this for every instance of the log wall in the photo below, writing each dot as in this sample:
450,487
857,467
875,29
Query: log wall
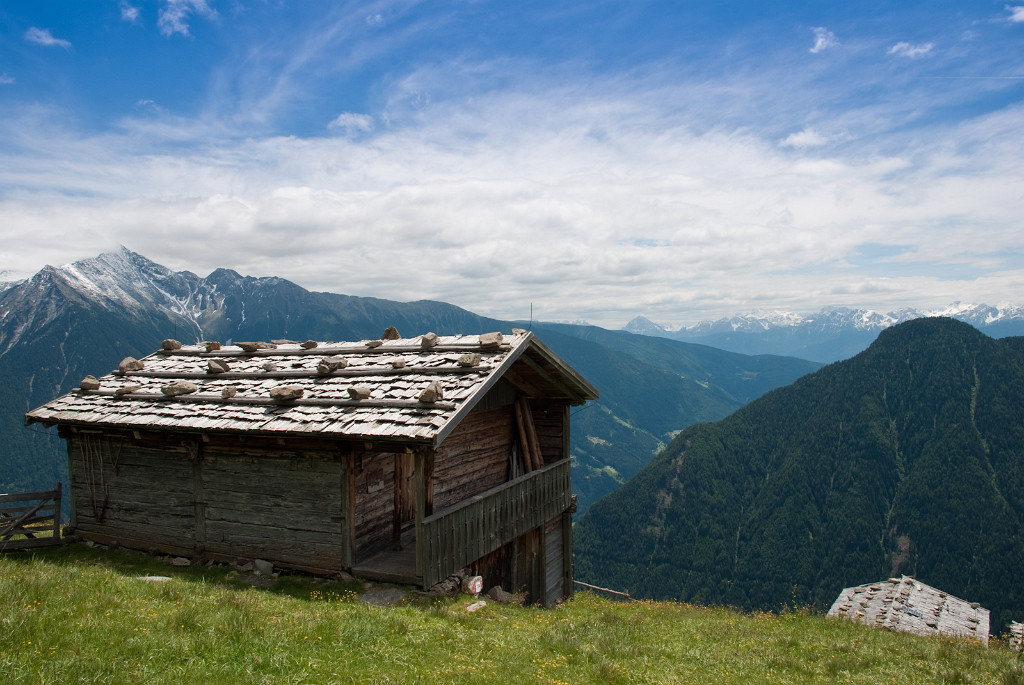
277,504
136,495
220,501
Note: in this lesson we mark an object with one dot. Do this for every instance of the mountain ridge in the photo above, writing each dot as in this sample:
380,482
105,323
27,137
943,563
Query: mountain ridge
829,335
83,318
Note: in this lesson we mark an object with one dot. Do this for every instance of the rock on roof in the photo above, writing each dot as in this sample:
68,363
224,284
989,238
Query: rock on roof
909,606
404,389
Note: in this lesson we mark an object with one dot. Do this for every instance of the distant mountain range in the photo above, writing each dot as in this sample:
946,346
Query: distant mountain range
830,335
83,318
906,459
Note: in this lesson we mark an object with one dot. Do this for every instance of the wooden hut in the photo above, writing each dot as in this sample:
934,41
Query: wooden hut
402,460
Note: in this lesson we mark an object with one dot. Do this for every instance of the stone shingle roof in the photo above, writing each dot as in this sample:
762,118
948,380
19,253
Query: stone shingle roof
413,389
909,606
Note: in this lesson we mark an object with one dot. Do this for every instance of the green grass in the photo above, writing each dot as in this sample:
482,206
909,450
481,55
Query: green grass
75,614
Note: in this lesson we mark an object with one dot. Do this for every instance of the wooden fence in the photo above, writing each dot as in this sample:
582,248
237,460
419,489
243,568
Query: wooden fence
455,537
30,519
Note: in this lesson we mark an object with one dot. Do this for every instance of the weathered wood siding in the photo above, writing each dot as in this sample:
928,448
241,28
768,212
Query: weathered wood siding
475,457
375,501
137,495
221,501
277,504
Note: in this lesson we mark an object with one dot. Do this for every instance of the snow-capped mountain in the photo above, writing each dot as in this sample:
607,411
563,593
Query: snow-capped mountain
7,280
828,335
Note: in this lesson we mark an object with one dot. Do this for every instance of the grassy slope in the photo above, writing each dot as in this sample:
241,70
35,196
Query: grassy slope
76,614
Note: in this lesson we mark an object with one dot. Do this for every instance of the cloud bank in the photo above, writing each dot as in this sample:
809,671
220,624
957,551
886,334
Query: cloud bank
587,216
365,155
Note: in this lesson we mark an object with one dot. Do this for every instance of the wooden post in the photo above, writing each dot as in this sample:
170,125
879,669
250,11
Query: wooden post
73,516
569,589
428,482
420,459
56,510
540,569
347,506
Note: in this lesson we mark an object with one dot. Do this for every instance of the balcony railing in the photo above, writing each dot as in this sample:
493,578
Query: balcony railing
451,539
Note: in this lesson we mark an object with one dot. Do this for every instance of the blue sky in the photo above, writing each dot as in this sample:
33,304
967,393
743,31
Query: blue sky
599,160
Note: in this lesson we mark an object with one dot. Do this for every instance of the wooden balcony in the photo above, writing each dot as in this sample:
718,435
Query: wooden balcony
456,537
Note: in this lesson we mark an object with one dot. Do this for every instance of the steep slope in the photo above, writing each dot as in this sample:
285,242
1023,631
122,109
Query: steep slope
85,317
908,458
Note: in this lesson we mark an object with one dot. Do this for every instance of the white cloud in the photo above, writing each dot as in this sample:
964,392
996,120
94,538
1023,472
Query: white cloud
375,19
823,39
352,122
129,13
905,49
473,208
6,80
44,37
173,18
1016,13
805,138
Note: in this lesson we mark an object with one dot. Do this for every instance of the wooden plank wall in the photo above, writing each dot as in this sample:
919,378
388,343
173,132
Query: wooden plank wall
273,503
475,457
375,501
224,502
138,496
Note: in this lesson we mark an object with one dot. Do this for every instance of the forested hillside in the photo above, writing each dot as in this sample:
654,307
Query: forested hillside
908,458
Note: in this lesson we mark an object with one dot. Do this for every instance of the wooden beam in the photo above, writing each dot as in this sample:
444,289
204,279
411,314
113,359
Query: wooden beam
550,378
210,398
522,384
327,350
347,372
524,441
536,457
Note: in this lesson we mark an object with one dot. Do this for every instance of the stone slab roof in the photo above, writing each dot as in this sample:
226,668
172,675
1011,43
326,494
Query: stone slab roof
909,606
411,389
